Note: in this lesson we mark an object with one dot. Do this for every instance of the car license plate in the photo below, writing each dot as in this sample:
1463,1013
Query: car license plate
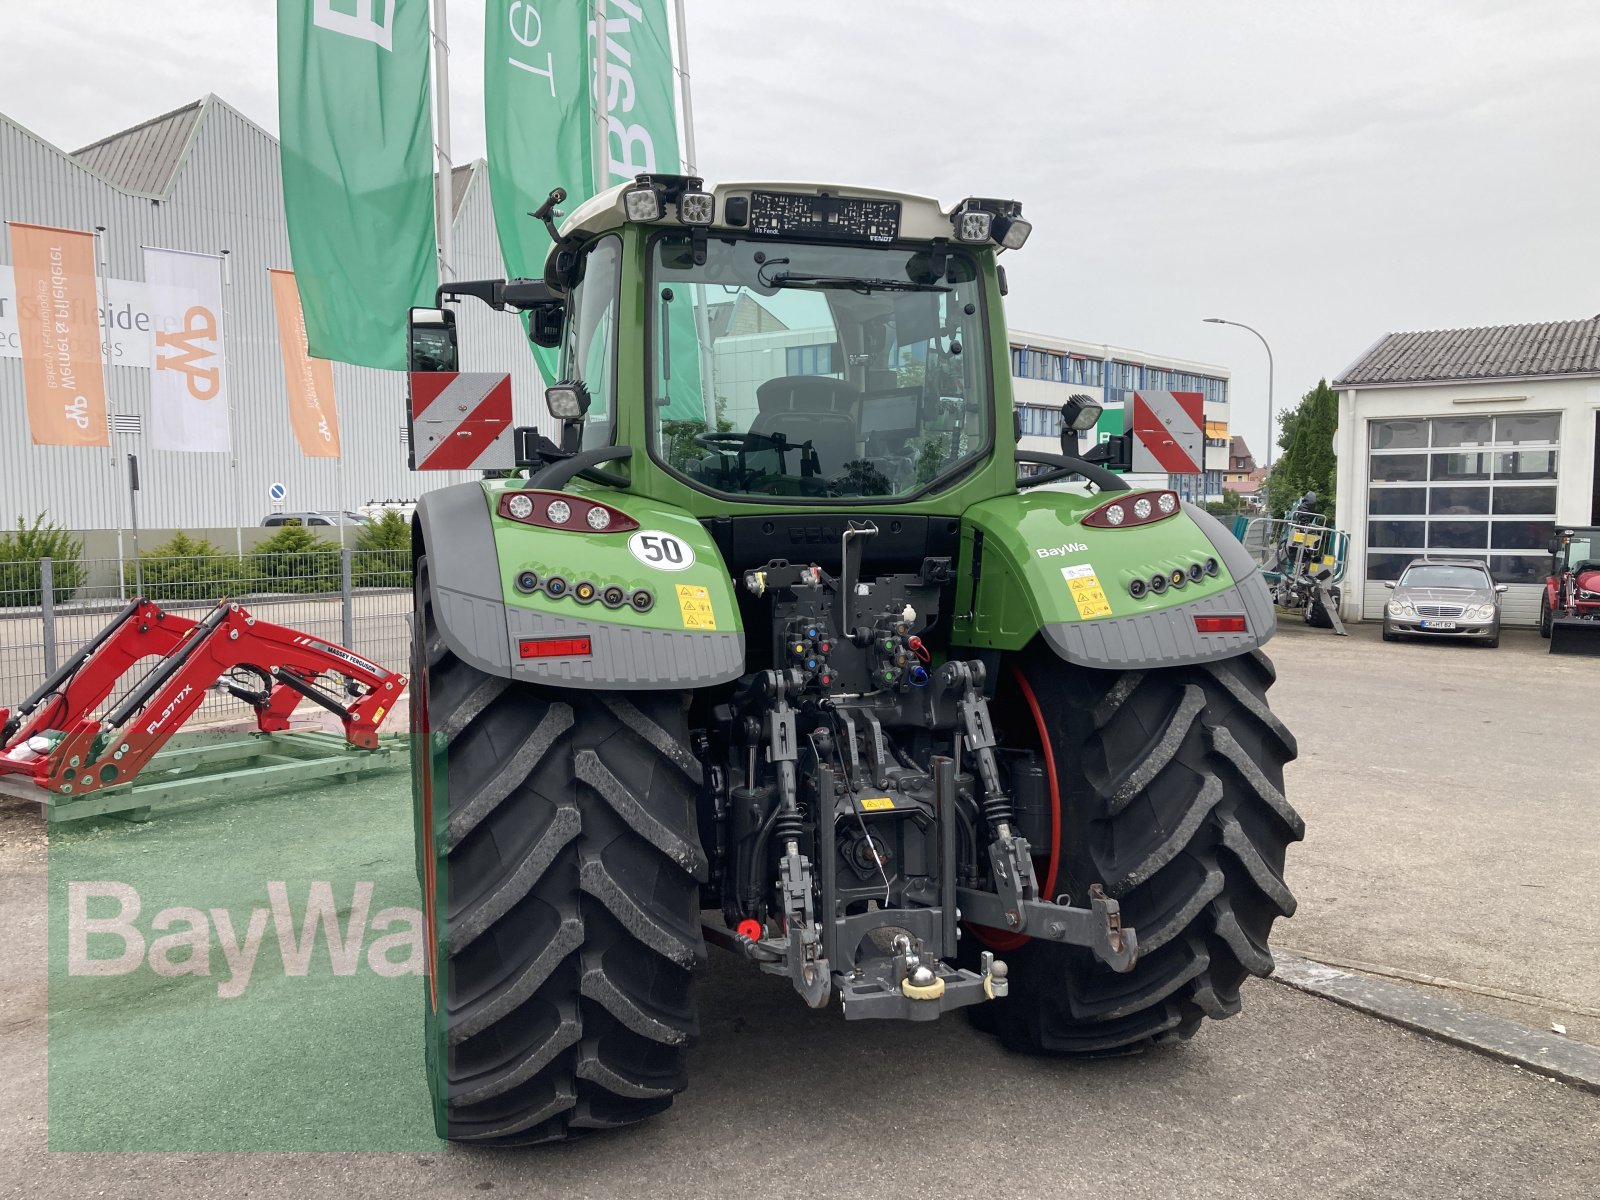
1438,624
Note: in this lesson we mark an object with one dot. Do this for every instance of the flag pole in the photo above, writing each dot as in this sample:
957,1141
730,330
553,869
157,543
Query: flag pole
444,190
602,145
233,445
689,158
697,298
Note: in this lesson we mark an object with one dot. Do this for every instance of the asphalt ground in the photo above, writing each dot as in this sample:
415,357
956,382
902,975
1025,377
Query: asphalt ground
1449,837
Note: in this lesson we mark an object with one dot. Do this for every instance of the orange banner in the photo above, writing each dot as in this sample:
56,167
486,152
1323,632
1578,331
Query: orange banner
313,411
58,324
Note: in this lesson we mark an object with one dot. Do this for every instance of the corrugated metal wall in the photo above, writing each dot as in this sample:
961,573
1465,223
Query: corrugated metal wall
227,196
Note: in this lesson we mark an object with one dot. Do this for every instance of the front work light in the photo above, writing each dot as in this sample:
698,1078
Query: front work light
642,204
973,225
1080,413
696,208
567,401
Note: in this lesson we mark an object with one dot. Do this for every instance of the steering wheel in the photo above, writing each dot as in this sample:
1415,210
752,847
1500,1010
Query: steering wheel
724,441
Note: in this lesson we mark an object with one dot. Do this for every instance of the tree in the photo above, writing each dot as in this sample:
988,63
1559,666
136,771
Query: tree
1307,463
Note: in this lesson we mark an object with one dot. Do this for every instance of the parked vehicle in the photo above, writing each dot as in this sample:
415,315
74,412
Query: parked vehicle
1449,598
273,520
1569,611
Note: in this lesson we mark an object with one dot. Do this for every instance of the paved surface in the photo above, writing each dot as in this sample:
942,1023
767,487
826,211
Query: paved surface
1452,815
1438,844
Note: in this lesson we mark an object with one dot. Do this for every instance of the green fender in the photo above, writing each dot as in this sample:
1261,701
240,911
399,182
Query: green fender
686,634
1030,567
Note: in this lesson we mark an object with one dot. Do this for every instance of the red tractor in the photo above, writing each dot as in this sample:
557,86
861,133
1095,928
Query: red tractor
1569,612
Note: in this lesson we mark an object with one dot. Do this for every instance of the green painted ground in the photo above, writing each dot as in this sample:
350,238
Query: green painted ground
327,1059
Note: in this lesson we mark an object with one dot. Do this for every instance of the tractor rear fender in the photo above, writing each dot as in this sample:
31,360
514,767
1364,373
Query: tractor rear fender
1031,567
677,626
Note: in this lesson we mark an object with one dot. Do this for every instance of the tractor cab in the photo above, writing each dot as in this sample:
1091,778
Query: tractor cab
1569,612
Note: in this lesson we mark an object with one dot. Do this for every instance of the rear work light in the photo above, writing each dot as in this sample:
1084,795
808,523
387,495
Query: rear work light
1233,624
577,647
1133,508
560,510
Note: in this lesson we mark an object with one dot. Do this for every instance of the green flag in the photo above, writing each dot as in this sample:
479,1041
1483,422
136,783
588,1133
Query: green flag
356,134
541,128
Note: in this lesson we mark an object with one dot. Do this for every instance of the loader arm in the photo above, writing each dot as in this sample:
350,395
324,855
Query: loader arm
89,753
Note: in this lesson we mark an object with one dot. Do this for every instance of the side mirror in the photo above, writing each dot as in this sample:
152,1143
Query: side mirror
1389,583
431,340
1500,588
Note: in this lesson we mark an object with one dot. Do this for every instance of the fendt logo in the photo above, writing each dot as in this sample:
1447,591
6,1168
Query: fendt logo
190,342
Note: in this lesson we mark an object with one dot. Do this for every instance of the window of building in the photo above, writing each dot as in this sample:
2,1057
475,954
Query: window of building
810,360
1467,487
1039,422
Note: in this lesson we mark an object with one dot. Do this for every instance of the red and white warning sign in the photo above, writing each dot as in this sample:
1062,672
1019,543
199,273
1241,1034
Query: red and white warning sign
1169,432
460,421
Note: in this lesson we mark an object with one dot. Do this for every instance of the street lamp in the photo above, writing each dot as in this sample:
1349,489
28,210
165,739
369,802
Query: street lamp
1271,425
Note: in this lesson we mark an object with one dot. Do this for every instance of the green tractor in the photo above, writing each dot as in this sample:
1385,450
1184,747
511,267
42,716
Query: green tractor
774,650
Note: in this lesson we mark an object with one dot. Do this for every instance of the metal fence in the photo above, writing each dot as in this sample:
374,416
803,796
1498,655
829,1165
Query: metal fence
360,599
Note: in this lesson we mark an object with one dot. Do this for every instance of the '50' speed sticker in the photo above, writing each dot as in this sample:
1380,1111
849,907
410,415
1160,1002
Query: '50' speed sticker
660,550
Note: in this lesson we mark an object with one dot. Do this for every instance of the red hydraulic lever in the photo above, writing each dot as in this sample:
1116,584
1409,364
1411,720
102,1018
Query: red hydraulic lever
89,754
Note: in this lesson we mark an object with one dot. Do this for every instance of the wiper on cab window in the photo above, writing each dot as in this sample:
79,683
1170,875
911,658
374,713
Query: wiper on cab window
804,279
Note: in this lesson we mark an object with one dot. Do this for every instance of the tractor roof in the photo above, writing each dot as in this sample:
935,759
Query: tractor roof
922,218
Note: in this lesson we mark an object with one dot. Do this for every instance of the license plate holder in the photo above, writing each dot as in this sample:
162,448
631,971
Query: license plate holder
1437,624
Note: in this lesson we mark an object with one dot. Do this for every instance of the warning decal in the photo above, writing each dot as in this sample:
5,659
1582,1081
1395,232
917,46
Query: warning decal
1087,593
694,602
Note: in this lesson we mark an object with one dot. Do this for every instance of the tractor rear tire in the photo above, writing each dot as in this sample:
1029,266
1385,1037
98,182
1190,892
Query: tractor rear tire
1170,794
559,853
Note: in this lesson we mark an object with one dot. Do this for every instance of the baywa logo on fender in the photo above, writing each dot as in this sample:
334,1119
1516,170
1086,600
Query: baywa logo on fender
192,348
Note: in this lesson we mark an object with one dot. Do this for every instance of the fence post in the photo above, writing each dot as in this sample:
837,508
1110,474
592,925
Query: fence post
347,596
47,612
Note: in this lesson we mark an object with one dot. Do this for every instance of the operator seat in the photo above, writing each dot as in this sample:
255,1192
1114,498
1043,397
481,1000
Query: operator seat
811,408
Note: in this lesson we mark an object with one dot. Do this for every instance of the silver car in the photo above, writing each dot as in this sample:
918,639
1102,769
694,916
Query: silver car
1447,598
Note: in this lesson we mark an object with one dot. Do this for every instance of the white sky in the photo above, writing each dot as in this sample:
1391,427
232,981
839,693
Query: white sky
1325,170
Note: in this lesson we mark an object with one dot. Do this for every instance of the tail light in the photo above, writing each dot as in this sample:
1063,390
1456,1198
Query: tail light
561,510
1228,624
1134,508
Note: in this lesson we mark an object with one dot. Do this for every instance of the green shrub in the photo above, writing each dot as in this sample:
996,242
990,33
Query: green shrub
295,560
382,556
20,553
186,568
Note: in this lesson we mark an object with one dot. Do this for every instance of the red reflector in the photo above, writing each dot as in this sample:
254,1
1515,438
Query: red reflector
554,647
751,929
1219,625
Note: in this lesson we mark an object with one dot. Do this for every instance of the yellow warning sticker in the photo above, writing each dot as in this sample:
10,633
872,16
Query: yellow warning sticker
694,602
1086,591
876,804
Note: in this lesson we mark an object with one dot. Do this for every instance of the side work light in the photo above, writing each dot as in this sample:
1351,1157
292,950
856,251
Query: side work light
1080,413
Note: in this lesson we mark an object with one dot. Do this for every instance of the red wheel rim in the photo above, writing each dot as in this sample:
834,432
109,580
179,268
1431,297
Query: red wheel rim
999,939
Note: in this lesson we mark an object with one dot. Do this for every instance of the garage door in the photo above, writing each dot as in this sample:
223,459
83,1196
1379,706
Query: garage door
1481,487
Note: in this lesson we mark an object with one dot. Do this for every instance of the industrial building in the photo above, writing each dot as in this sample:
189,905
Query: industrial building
1046,369
1468,443
206,179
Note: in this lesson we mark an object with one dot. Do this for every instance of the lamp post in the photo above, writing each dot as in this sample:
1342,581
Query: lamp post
1271,424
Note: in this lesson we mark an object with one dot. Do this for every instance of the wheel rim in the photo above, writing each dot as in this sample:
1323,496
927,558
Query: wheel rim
999,939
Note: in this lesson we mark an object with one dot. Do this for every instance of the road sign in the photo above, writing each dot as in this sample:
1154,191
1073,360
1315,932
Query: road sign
277,492
1169,432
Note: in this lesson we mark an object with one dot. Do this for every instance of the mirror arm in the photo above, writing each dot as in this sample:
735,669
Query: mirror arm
556,474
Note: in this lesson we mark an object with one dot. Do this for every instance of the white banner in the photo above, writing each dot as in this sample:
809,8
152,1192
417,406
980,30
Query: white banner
188,383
